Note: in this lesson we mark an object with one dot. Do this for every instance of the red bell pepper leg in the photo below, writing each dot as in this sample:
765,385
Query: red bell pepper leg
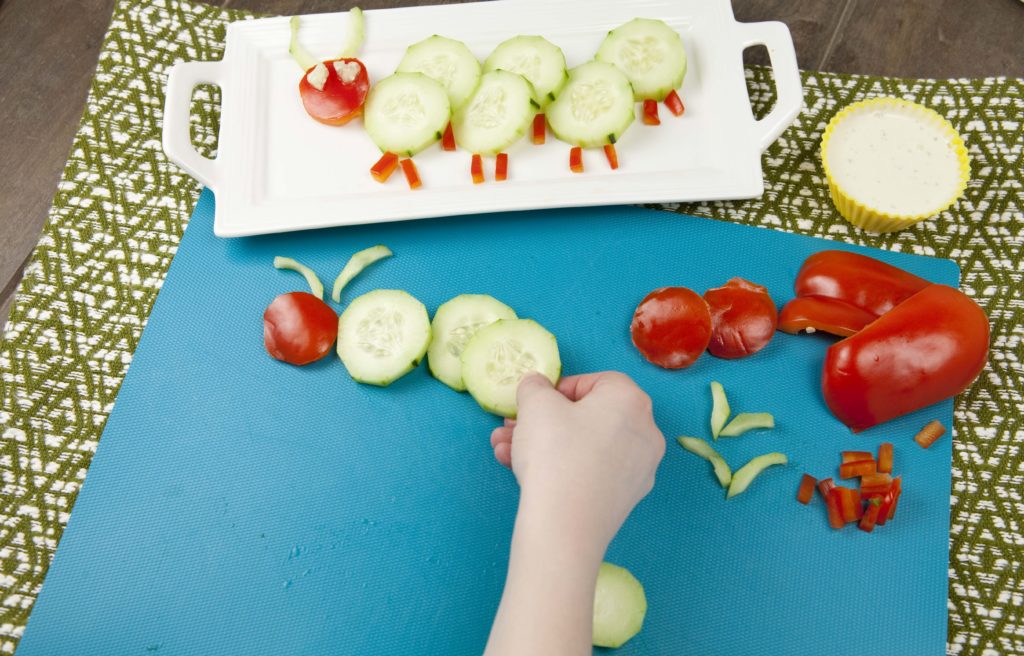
476,169
539,129
501,167
650,114
576,160
412,176
674,103
613,157
448,140
384,167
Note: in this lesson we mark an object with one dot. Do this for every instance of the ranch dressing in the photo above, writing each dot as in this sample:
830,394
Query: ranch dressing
893,162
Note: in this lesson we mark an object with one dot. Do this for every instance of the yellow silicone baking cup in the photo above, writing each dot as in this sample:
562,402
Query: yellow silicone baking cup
863,215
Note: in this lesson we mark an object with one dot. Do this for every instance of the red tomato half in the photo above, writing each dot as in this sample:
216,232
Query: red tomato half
299,328
743,319
339,102
671,327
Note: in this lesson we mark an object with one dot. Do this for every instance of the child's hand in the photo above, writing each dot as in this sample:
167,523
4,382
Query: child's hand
584,454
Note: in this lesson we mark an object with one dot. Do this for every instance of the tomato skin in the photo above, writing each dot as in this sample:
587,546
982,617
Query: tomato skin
299,328
926,349
743,319
823,314
861,281
338,103
671,327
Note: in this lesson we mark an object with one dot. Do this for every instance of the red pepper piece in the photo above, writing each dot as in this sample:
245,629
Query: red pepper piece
857,468
835,518
650,115
613,157
806,491
870,517
411,175
853,456
576,160
858,280
828,315
743,318
448,140
338,102
384,167
898,486
931,432
875,484
501,167
885,458
858,504
539,129
888,499
674,103
476,169
847,505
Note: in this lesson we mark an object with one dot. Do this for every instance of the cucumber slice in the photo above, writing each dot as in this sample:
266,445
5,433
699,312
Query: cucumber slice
594,107
356,32
541,62
455,323
382,335
619,606
406,112
312,280
703,449
498,114
499,355
745,421
355,266
719,408
298,52
650,53
746,474
449,62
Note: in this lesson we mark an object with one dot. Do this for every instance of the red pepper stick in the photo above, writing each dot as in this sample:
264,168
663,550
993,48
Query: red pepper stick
613,157
411,175
806,491
857,468
885,458
835,519
674,103
867,522
448,140
576,160
501,167
650,115
933,431
853,456
476,168
539,129
384,167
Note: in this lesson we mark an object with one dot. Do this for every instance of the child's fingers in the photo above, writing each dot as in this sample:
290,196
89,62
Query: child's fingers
503,453
511,423
501,434
577,387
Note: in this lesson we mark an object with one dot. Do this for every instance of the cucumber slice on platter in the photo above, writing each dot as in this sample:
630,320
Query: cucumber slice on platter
619,606
454,324
541,62
594,107
650,53
406,112
499,355
447,61
383,335
497,115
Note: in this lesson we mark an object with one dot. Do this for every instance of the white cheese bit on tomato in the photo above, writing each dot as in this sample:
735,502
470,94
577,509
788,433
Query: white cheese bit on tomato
347,71
317,77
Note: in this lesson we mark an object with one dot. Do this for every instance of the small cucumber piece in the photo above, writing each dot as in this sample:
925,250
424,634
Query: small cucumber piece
356,32
594,107
447,61
650,53
719,409
355,266
619,606
299,53
745,421
497,115
383,335
288,264
499,355
541,62
405,113
704,450
746,474
454,324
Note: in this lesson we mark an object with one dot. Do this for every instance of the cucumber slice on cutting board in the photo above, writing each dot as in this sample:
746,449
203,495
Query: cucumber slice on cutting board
650,53
406,112
383,335
619,606
594,107
454,324
499,355
541,62
497,115
447,61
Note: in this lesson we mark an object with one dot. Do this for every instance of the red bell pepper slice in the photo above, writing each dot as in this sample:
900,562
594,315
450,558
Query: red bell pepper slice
858,280
650,113
412,176
857,468
476,169
885,457
875,484
743,318
501,167
870,518
384,167
931,432
888,499
576,160
613,157
853,456
448,140
539,129
674,103
827,315
898,486
835,517
806,491
847,505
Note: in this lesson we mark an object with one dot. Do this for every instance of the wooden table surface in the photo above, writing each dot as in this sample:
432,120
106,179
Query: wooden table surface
48,52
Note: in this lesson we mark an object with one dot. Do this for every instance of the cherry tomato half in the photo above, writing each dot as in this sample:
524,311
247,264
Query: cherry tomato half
339,102
743,319
299,328
671,327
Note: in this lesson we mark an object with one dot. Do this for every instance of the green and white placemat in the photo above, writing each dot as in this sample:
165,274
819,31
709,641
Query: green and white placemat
121,207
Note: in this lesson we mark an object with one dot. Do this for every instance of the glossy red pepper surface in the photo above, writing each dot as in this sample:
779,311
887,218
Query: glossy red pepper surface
743,319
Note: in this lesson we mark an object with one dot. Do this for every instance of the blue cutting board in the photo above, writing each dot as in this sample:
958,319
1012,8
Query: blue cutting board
238,505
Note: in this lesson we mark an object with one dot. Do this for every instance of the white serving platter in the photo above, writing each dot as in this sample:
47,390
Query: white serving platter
279,170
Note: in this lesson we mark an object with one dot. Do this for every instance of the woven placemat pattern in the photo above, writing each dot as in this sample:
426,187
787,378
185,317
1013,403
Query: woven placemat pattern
121,208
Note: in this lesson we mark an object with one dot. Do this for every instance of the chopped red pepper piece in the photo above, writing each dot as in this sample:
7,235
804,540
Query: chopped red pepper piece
886,504
613,157
885,458
875,484
576,160
835,518
384,167
858,504
847,506
857,468
411,175
867,522
539,129
933,431
854,456
829,315
448,140
651,112
476,168
806,491
898,486
501,167
674,103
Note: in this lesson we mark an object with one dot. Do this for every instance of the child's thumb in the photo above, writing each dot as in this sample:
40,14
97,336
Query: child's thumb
533,388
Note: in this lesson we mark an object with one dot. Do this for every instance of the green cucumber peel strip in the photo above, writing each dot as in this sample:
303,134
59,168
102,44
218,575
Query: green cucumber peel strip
295,49
719,408
745,421
703,449
355,266
746,474
356,33
288,264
